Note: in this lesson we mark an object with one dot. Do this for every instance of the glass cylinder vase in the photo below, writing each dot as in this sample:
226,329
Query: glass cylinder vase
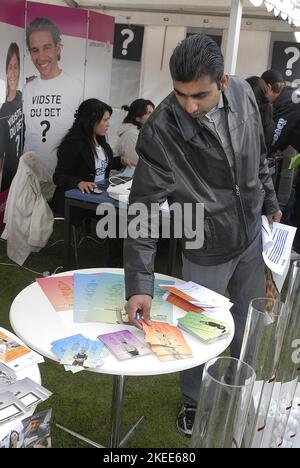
262,343
284,427
223,406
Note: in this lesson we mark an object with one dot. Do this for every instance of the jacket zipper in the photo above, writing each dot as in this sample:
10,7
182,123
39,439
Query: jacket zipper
233,177
238,193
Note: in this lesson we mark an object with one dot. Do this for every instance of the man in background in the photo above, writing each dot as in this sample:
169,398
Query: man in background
286,106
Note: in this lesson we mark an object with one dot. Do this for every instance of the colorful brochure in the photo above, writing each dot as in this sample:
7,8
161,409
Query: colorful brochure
101,298
77,352
206,328
14,354
83,353
30,432
59,290
124,345
98,298
166,341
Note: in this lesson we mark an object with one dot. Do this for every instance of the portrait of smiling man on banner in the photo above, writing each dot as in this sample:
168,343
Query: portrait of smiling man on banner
52,97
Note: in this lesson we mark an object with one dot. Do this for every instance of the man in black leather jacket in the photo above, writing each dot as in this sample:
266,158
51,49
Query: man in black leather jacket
204,144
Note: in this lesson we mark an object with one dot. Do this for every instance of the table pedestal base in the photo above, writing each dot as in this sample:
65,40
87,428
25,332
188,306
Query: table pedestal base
116,414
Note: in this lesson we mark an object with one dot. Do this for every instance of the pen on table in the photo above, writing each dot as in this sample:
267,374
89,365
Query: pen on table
138,314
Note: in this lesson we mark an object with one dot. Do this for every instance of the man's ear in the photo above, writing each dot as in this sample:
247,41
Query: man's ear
224,82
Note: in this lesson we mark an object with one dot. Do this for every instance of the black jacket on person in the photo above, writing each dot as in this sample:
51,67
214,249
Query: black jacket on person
76,163
287,120
182,161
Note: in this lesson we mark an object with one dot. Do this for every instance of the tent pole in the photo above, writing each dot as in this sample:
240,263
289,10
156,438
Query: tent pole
233,36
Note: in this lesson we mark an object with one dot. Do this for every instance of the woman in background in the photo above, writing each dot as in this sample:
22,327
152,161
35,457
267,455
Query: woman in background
84,158
259,88
11,119
14,439
138,113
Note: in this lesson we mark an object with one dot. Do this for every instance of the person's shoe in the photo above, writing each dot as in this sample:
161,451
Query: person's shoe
185,420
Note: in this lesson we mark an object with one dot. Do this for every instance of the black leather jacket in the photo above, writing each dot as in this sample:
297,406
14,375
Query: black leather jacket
184,162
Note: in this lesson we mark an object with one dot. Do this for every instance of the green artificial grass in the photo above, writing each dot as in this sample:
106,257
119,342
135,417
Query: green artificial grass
82,401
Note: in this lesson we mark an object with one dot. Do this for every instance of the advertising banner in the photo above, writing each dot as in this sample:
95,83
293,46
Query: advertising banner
12,19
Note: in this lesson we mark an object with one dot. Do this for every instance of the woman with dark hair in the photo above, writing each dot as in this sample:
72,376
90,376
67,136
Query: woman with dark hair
11,119
138,113
14,439
84,158
259,88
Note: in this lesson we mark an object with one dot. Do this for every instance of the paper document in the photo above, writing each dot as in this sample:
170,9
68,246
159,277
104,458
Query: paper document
198,295
277,245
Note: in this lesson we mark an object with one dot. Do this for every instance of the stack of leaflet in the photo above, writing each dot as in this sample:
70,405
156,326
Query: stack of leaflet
204,327
193,297
77,353
124,345
97,298
166,341
14,354
101,298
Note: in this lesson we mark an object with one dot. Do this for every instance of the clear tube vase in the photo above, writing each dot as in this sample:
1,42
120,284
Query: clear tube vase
223,405
261,348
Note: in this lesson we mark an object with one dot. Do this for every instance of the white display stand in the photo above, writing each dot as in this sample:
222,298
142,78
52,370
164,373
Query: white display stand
33,373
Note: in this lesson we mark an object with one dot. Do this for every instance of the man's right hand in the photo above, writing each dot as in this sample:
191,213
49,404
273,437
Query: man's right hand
141,303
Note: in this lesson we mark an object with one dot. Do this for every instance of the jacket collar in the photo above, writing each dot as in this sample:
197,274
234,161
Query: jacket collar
188,126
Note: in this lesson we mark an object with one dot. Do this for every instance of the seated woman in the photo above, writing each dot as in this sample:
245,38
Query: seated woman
84,158
138,113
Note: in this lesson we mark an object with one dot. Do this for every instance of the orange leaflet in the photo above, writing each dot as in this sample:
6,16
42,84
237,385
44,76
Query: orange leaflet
165,335
178,293
10,349
185,305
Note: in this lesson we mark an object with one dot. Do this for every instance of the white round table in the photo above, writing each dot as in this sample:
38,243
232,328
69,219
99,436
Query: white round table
36,322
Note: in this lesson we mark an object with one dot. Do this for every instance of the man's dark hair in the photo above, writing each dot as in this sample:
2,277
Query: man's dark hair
196,56
43,24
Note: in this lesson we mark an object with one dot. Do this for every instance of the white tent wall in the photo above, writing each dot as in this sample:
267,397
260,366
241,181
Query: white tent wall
163,31
253,60
159,43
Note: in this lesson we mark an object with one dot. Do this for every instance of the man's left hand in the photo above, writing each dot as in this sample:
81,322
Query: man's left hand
275,217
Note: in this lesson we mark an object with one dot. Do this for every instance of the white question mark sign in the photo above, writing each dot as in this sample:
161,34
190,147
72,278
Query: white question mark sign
127,41
296,54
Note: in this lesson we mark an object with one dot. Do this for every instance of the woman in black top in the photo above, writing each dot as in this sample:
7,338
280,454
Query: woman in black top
84,157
